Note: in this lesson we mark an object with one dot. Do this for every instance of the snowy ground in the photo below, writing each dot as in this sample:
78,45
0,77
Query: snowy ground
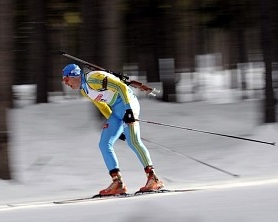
54,155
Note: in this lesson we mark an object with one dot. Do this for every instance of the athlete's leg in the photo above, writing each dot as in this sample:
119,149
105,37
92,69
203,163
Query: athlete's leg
133,138
110,133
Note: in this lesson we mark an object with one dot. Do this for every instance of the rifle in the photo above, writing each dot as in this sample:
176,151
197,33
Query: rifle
123,77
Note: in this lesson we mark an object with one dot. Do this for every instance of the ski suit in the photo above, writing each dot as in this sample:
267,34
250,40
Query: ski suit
112,97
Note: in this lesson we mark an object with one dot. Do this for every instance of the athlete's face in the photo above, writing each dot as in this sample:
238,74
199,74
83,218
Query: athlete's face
73,82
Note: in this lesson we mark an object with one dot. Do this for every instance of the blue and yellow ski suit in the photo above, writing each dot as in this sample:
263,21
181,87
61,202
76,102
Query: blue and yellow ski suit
112,97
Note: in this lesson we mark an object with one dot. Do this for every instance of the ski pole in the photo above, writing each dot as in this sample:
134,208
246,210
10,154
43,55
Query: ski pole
207,132
196,160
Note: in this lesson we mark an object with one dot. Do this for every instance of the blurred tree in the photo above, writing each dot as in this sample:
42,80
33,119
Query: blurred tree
22,75
274,24
190,36
274,43
6,76
38,53
63,27
150,35
142,21
90,41
266,39
100,33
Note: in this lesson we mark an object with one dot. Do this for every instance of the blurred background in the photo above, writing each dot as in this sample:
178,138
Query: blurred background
212,50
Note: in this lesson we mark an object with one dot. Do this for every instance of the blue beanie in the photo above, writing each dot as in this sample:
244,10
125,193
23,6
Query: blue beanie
72,70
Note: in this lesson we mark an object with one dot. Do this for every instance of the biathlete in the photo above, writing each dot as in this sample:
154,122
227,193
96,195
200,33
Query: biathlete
117,102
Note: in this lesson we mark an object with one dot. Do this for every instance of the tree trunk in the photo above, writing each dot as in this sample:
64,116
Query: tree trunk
6,75
39,48
242,59
100,34
269,102
90,31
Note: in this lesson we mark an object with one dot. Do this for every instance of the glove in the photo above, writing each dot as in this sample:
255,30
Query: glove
122,137
129,117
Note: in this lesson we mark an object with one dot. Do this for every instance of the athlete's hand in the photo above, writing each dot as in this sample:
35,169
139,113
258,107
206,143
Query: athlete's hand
122,137
129,117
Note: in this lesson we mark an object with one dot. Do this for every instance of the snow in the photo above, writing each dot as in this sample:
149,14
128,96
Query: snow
54,156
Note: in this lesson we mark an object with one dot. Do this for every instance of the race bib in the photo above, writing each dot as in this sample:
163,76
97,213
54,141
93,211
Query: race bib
102,96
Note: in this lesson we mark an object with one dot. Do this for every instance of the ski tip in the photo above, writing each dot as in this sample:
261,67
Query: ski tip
97,196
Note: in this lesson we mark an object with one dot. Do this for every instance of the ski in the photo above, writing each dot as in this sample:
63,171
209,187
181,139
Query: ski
92,198
98,197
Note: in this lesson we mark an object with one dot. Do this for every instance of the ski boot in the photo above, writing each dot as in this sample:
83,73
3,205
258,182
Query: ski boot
117,187
153,183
